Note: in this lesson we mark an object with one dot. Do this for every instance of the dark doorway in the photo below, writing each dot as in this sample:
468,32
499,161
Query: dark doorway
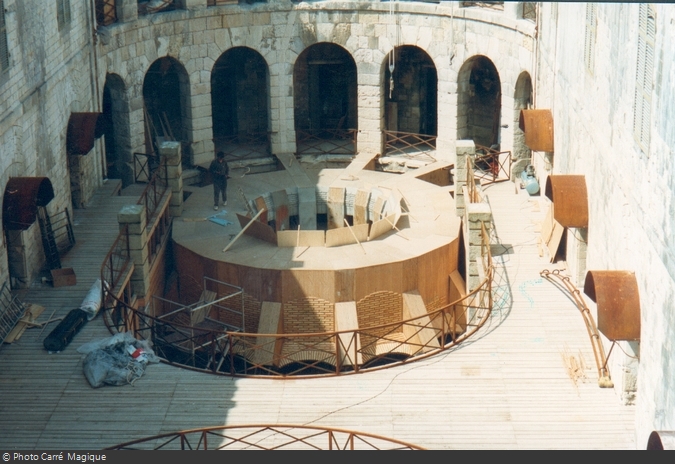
239,103
166,92
479,102
324,81
115,124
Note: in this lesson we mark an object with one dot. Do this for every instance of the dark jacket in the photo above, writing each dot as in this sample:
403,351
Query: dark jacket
219,171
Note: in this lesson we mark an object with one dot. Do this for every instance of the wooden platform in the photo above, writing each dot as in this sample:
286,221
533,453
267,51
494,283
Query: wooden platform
507,388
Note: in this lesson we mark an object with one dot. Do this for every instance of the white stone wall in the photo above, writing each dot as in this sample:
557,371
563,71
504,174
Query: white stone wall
631,194
51,74
280,31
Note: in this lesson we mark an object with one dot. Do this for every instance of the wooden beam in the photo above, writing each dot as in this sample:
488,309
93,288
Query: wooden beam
241,232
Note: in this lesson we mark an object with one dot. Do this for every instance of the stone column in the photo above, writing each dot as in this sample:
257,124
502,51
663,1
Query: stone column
477,215
577,246
198,117
134,217
370,101
127,10
464,148
170,155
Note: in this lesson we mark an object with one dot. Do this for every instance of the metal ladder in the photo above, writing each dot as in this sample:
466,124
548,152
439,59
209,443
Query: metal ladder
11,310
50,227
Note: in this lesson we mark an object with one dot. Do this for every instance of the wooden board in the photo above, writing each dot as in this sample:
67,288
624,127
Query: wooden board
361,207
305,238
344,236
258,229
260,204
554,242
420,331
336,207
381,227
281,213
270,323
29,318
547,226
349,344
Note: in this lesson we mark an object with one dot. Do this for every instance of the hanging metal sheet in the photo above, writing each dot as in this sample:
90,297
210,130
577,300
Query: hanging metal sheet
538,128
83,129
22,197
570,199
618,299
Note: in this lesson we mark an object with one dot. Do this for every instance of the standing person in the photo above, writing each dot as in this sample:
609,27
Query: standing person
220,172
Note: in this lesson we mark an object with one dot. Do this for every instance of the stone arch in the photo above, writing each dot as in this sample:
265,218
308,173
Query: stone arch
411,105
166,97
522,99
325,88
479,102
240,100
115,121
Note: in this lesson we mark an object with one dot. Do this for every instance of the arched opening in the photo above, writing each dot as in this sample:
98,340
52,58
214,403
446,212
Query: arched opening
115,125
239,103
522,100
410,96
479,102
166,93
324,82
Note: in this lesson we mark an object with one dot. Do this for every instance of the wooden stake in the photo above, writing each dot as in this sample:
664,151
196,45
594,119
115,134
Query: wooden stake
354,235
397,229
241,232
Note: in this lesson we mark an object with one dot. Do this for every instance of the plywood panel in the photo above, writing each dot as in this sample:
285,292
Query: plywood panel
290,238
339,237
377,209
385,277
349,344
336,207
287,238
297,284
345,236
260,204
420,331
258,229
269,348
554,242
344,285
281,214
435,268
361,207
381,227
261,284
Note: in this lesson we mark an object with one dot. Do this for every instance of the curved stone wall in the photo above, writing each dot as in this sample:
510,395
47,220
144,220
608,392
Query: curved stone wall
281,31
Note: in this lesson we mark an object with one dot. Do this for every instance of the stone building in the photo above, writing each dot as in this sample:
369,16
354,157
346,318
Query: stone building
206,72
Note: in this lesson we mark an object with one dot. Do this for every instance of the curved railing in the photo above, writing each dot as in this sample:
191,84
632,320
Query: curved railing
315,354
266,437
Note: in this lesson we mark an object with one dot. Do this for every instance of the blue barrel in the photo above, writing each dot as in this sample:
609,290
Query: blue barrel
529,181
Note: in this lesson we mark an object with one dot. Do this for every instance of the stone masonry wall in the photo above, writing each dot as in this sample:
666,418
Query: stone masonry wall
280,31
631,192
50,75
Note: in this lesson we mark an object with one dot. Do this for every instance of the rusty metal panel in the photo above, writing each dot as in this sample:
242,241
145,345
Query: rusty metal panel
22,197
570,199
538,128
616,294
83,128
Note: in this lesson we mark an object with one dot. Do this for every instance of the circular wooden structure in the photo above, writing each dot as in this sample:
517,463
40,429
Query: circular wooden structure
389,274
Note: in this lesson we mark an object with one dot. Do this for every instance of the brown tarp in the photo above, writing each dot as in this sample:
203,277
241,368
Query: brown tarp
22,197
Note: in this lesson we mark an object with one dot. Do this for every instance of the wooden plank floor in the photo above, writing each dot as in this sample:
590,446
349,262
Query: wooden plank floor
506,388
